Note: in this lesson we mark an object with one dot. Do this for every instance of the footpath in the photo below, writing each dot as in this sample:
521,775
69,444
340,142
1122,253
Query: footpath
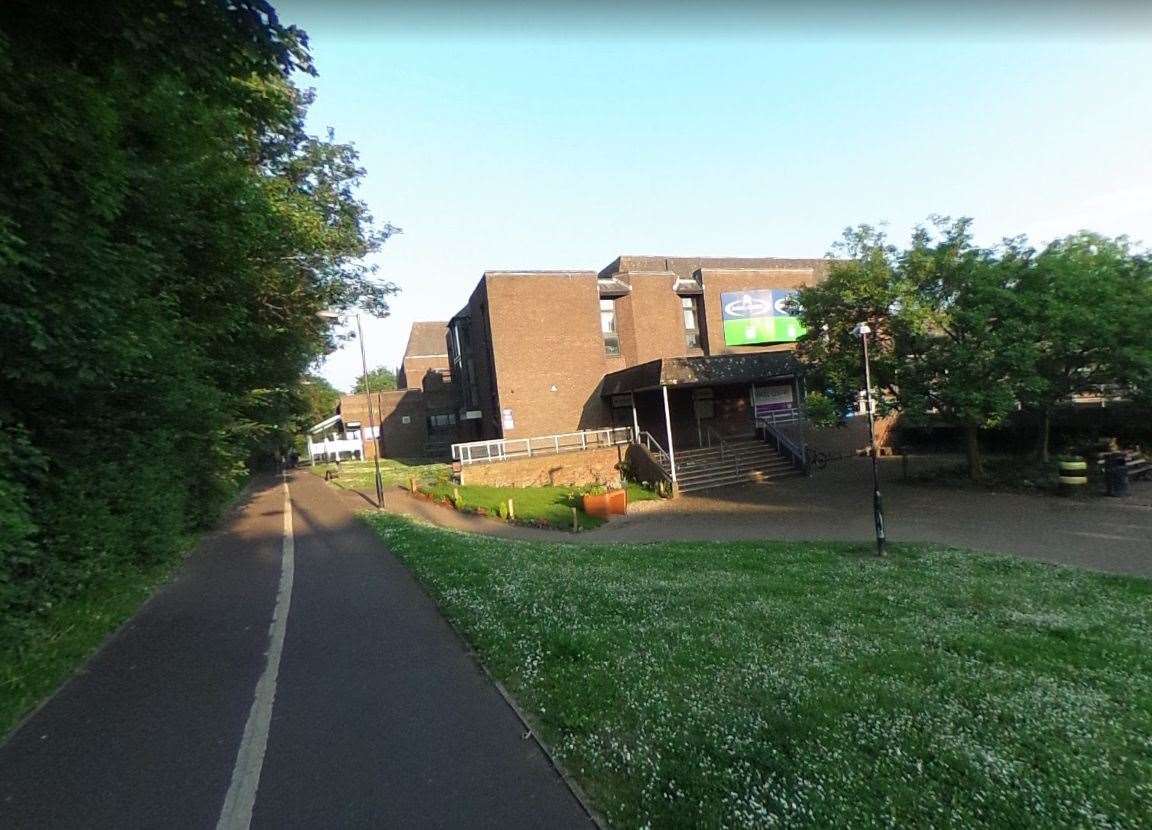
370,712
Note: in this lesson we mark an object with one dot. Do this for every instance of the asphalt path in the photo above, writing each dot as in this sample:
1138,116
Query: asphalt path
372,713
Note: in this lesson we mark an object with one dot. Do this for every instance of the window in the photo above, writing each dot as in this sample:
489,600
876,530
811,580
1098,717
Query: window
608,327
441,421
690,308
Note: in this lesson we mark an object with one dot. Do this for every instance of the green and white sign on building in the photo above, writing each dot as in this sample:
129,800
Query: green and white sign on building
758,316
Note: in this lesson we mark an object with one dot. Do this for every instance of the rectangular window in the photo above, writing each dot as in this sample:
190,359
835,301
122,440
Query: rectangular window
441,421
690,308
608,327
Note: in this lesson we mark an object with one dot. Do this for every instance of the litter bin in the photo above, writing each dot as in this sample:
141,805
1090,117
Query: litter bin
1116,474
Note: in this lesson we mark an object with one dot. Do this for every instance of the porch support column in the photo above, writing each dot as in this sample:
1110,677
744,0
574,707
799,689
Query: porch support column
668,431
635,419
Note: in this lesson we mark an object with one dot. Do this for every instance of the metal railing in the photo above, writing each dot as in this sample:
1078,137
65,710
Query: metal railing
781,416
710,434
784,442
649,443
663,460
504,449
332,448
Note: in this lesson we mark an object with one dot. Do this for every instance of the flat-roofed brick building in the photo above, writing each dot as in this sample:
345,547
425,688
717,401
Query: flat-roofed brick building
544,352
691,350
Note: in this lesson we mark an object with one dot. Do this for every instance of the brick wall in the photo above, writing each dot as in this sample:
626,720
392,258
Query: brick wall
653,320
397,439
537,349
414,368
572,468
549,352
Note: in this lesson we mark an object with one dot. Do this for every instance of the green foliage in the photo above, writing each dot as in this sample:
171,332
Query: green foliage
168,232
377,380
820,410
791,684
319,397
1086,319
969,333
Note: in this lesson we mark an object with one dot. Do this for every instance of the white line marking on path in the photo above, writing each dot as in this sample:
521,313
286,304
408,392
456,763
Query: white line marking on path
241,799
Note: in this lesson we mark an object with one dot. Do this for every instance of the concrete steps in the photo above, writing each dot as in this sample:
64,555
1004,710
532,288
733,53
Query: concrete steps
742,461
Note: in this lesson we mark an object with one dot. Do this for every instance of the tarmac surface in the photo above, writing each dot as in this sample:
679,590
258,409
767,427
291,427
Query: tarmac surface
1105,534
380,715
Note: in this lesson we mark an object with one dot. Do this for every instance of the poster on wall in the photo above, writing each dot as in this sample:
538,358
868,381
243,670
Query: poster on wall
758,316
775,398
506,419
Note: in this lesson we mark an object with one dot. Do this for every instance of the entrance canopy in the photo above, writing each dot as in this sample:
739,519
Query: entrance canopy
326,424
700,371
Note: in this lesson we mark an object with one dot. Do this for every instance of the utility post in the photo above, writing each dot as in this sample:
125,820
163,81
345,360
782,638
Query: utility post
863,329
371,418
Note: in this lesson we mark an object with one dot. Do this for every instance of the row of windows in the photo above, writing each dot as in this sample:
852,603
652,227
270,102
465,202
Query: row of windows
690,309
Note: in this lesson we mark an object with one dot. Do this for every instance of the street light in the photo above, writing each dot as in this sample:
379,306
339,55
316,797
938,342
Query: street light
863,329
332,316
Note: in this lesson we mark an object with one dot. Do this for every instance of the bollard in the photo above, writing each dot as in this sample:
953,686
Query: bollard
411,485
575,521
1073,475
511,511
455,495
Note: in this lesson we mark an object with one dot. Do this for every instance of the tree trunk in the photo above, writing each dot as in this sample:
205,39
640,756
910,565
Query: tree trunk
1044,438
972,448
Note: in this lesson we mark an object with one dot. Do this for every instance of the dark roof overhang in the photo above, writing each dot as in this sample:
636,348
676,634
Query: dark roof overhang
716,370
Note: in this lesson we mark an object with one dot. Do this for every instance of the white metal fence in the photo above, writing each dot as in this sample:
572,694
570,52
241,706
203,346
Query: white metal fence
335,449
503,449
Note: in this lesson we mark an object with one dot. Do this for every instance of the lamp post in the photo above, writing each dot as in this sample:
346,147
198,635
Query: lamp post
332,316
863,329
371,423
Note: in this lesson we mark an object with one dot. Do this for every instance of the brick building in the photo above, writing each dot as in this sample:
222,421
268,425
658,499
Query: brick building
689,350
418,418
544,352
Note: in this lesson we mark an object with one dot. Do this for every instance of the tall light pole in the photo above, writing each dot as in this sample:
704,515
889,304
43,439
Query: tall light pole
371,422
863,329
334,317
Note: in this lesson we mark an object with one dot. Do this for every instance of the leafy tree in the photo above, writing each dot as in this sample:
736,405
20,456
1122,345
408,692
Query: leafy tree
1085,308
377,380
320,397
168,231
943,337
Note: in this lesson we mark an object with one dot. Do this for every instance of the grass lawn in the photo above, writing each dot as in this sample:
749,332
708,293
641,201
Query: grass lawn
543,506
809,684
547,506
361,475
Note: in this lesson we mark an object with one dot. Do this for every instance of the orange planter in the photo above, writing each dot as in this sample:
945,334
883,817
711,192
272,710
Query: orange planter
603,505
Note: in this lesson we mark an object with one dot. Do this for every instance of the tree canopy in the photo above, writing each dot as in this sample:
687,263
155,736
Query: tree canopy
168,233
377,380
971,334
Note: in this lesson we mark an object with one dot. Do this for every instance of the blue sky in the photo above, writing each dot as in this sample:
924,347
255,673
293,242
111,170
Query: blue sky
497,137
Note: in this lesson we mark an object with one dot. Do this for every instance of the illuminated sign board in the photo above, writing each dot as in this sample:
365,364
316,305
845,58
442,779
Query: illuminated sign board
758,316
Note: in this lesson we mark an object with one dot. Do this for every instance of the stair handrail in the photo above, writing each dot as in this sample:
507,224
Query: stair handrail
785,443
711,432
649,443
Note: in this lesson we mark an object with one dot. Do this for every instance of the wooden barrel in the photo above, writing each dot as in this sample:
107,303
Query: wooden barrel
1073,474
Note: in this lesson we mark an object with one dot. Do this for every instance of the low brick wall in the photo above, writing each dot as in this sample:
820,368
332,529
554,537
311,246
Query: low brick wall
566,469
